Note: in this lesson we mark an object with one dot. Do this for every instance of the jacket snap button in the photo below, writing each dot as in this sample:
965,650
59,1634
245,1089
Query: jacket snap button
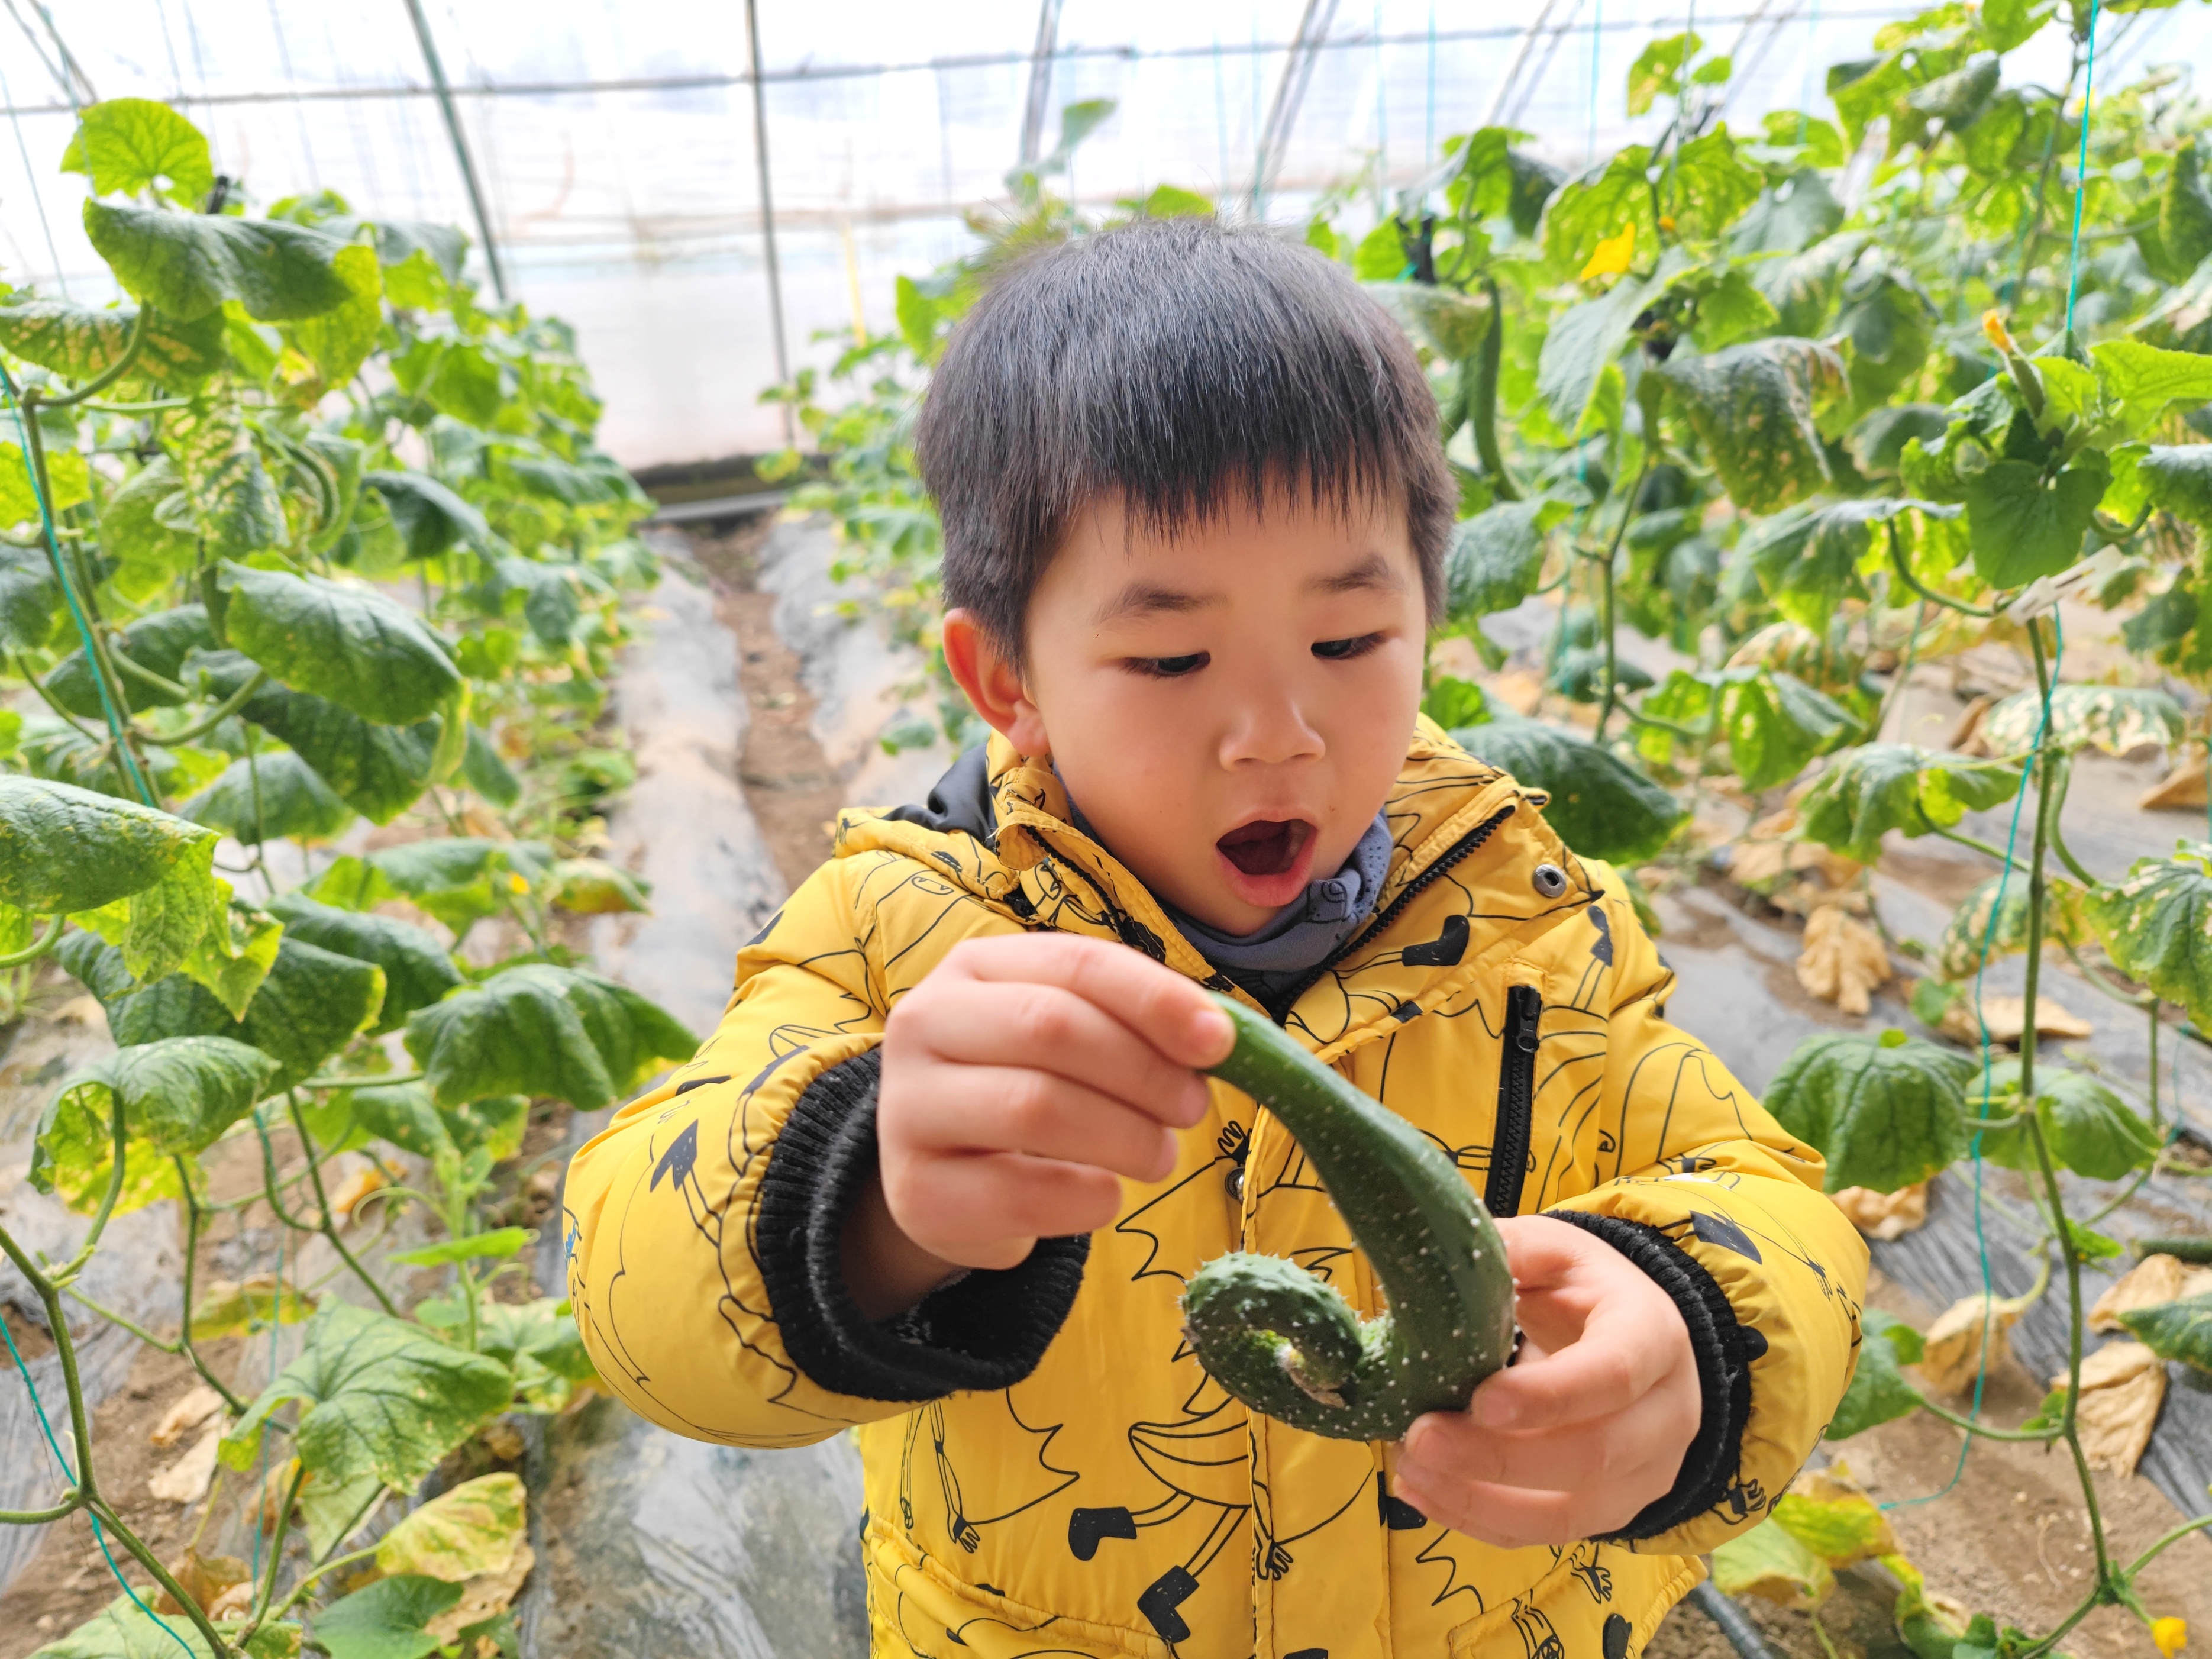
1550,881
1236,1183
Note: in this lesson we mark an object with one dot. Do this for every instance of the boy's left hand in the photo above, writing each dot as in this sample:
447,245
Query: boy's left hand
1587,1426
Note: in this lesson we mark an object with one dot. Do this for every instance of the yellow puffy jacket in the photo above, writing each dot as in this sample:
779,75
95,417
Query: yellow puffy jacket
1048,1468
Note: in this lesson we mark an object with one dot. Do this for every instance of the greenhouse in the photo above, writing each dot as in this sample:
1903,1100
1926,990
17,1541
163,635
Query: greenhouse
1279,829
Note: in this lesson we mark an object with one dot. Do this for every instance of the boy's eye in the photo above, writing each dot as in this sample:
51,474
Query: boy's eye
1337,650
1171,668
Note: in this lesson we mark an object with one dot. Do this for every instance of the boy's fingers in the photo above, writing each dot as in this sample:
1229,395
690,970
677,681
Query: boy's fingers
1172,1013
1054,1030
1620,1355
1008,1110
1623,1452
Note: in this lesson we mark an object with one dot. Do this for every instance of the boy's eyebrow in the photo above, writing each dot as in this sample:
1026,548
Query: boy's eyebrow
1372,573
1143,599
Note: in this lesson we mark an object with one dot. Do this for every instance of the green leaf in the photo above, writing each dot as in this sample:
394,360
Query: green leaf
417,971
348,644
149,525
340,340
1657,71
1774,723
187,265
1885,1114
30,598
1583,211
79,342
1450,702
378,770
458,879
270,796
1496,557
1790,216
453,377
1581,342
2116,718
1891,327
1731,311
2143,380
429,517
2175,1330
233,504
502,1242
1868,791
471,1529
1878,1393
1451,325
380,1398
1769,1563
2185,214
64,849
125,144
592,887
443,247
485,771
1713,185
2088,1128
2178,479
1959,953
1599,805
1752,408
2156,926
386,1620
538,1029
233,957
2020,528
1793,129
1877,443
67,481
1957,98
123,1630
160,642
177,1097
541,1331
403,1114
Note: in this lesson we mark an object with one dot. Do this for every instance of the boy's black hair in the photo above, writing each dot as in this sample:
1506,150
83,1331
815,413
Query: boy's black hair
1175,364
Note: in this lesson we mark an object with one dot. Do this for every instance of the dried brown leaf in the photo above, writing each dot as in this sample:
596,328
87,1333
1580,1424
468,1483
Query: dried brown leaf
2123,1386
1843,960
1955,1352
1754,861
482,1597
205,1579
2178,790
2007,1018
201,1403
1885,1215
2154,1280
186,1480
1966,736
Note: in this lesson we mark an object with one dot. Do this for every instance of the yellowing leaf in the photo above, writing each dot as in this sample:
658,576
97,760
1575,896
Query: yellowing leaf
1771,1562
1830,1515
473,1530
1612,255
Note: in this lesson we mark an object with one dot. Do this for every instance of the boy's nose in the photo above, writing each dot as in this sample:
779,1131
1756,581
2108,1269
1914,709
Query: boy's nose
1270,732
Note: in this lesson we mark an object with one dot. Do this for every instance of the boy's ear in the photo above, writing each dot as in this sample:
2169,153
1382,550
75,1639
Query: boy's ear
993,684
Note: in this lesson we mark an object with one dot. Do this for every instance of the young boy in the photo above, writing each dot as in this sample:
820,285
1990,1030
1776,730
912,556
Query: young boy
942,1170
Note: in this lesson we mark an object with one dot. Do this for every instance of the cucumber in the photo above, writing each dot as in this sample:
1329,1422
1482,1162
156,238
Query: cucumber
2193,1250
1291,1347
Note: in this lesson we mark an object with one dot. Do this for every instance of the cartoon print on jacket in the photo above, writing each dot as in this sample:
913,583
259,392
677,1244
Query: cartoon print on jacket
1114,1500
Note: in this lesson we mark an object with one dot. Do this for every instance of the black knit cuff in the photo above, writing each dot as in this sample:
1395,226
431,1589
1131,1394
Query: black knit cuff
985,1330
1724,1353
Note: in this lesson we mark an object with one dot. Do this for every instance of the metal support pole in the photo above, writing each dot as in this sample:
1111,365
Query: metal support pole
460,146
1290,91
768,215
1048,40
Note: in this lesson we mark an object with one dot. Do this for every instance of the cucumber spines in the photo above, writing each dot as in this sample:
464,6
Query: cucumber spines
1290,1346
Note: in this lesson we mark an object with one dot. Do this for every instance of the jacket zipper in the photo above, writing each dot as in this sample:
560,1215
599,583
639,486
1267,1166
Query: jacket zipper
1516,1101
1456,853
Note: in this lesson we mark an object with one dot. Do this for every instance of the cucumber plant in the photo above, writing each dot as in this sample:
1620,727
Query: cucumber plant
1925,370
297,533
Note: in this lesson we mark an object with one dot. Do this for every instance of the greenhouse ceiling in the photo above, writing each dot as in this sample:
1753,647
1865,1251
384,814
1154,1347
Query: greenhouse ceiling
619,167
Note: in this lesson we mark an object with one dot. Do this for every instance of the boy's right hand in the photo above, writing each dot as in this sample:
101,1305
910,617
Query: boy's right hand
1021,1079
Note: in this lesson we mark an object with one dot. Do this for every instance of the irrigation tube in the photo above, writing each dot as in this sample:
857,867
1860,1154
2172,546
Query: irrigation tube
1743,1635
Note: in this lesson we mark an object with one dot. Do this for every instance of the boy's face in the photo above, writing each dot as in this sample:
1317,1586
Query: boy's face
1229,705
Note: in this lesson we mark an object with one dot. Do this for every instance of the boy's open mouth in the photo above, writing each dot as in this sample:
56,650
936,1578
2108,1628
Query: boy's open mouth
1267,847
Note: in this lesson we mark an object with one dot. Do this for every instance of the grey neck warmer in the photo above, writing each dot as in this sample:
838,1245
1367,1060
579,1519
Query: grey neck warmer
1301,935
